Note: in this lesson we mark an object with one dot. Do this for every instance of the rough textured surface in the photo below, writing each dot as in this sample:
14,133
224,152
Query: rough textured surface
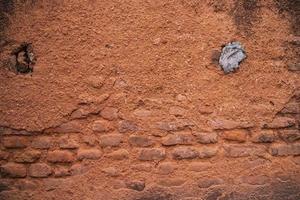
126,101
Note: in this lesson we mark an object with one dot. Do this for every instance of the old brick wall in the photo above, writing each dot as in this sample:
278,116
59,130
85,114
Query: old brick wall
126,101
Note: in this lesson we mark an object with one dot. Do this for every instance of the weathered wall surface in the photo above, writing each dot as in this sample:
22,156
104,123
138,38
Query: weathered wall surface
126,101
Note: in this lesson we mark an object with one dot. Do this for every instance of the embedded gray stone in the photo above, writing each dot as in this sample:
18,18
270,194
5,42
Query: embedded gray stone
232,54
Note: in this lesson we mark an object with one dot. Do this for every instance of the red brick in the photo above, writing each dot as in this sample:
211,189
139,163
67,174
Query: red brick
78,169
58,156
280,122
39,170
69,127
220,124
237,150
43,142
120,154
109,113
171,182
177,125
68,143
27,156
89,140
127,126
143,167
140,141
177,111
200,166
289,135
291,108
208,182
180,153
141,113
264,136
285,150
178,138
8,131
207,152
101,126
255,180
166,168
135,185
93,154
110,140
111,171
15,142
62,172
235,135
152,154
13,170
4,155
207,138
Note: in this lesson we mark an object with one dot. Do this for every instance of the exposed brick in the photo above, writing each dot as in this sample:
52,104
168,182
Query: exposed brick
127,126
166,168
39,170
13,170
120,154
5,185
8,131
177,125
289,135
178,138
25,185
60,156
180,153
110,140
143,167
199,166
255,180
294,67
235,135
207,138
220,124
177,111
101,126
15,142
207,152
62,172
4,155
27,156
109,113
89,140
68,143
85,111
285,150
135,185
111,171
243,150
140,141
296,160
291,108
86,98
42,142
280,122
264,136
171,182
142,113
78,169
93,154
208,182
68,127
152,154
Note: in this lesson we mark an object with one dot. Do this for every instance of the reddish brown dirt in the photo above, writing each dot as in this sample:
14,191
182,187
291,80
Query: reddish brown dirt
153,62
